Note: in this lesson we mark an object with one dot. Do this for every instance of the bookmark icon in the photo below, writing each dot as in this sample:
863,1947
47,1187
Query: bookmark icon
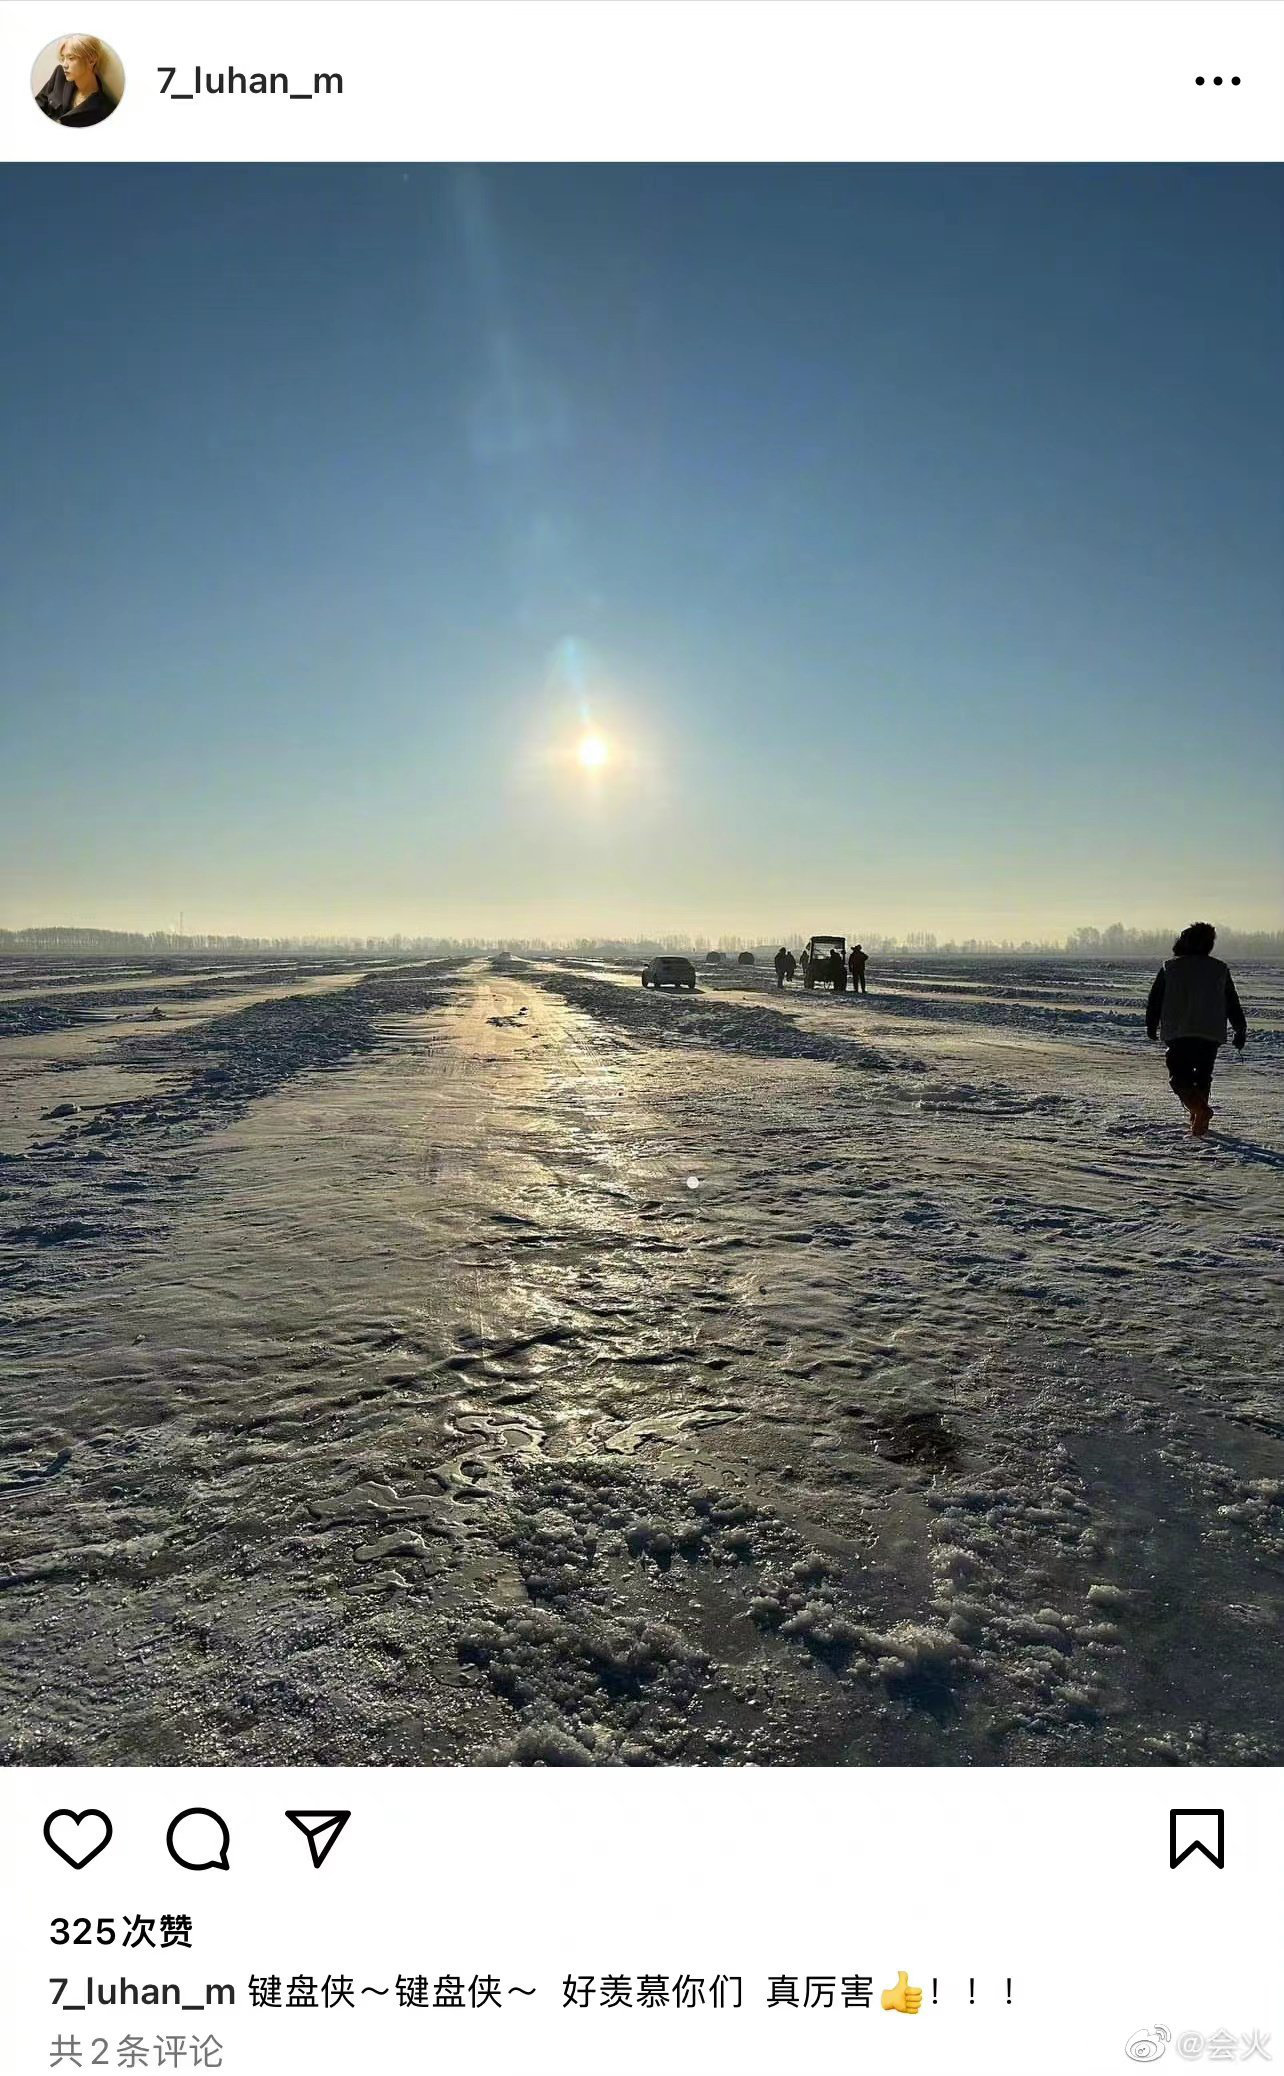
1196,1831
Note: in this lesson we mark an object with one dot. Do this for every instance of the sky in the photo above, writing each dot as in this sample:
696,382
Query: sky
906,542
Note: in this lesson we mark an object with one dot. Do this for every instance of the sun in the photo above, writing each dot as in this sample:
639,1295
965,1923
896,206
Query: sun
591,752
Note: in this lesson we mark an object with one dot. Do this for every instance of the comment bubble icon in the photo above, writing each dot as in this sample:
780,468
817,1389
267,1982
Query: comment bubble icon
199,1840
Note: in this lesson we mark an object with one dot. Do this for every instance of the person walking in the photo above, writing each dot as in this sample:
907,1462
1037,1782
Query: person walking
791,965
1191,1002
858,960
781,964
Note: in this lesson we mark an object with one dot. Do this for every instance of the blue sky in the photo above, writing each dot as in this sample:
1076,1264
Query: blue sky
912,537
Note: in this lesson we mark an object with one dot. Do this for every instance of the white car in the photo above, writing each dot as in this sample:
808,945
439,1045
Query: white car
669,973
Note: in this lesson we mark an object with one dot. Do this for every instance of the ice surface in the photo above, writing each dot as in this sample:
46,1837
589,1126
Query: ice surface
375,1388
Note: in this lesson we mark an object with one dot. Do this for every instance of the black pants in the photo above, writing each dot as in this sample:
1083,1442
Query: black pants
858,982
1190,1066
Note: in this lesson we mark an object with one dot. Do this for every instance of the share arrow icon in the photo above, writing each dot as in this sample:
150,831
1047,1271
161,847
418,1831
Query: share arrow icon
320,1827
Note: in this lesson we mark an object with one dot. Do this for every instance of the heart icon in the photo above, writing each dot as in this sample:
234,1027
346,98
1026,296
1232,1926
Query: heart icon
74,1844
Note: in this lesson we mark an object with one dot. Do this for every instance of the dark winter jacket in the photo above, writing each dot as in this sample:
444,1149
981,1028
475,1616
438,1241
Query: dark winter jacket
58,93
1194,997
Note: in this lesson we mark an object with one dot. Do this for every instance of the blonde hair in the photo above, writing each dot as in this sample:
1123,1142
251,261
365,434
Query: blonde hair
88,48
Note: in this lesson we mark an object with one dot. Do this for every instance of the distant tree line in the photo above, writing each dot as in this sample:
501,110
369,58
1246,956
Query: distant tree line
65,942
1115,942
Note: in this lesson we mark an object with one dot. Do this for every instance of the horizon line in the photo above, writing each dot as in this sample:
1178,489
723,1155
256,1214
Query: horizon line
920,939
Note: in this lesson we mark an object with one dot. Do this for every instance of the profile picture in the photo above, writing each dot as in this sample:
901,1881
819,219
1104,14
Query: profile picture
77,81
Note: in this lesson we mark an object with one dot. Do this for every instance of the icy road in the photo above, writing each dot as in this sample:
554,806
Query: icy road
503,1363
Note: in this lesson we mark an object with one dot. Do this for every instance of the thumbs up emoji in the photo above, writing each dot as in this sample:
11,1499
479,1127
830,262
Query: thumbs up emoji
902,1998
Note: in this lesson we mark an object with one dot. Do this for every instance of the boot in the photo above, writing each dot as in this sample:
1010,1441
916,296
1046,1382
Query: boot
1201,1116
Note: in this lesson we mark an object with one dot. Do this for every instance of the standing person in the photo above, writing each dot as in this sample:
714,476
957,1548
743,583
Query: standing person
858,961
781,964
837,971
791,965
1190,1004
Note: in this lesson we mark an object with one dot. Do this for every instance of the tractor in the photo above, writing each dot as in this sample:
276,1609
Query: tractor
815,961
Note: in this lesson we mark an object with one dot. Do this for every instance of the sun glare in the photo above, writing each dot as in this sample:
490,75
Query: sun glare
591,752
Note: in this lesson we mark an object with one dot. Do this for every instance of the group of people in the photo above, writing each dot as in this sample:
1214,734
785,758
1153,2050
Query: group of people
1193,1006
830,968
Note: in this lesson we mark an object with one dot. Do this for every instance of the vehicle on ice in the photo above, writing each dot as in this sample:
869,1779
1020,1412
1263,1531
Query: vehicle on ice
816,959
669,973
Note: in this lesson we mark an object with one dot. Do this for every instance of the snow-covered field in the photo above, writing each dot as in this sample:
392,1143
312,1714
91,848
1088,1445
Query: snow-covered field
502,1362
